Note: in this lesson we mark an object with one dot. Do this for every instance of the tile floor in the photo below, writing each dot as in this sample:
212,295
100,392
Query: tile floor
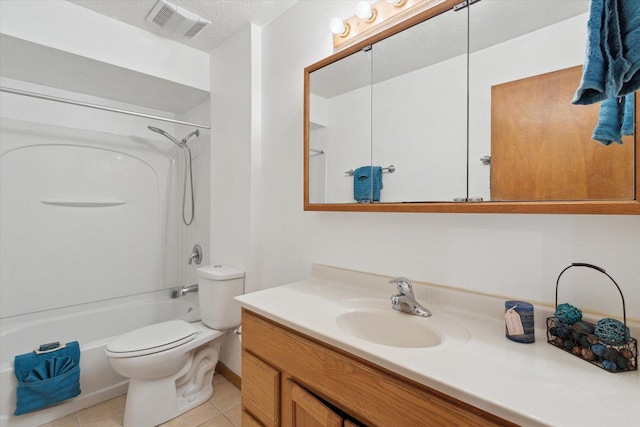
222,410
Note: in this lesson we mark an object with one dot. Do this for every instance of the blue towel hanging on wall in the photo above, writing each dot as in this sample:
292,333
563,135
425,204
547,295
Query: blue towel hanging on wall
615,120
611,70
47,378
367,183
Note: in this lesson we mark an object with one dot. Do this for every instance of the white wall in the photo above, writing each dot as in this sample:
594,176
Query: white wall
517,256
236,163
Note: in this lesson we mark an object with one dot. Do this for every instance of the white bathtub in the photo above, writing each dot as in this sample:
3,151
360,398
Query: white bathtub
93,326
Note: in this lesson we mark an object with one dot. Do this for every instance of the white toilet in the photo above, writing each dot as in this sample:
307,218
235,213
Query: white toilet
170,365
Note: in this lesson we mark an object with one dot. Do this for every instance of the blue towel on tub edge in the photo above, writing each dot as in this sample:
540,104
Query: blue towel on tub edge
46,379
367,183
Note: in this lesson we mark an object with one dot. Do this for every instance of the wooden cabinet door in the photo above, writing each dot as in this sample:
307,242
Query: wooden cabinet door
306,409
260,390
541,146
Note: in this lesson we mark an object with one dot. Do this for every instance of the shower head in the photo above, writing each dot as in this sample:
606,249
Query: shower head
186,138
166,135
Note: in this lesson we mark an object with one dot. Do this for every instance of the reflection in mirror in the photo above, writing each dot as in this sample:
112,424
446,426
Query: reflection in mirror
339,127
419,119
495,101
524,68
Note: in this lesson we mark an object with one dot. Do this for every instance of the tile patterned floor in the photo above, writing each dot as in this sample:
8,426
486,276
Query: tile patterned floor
222,410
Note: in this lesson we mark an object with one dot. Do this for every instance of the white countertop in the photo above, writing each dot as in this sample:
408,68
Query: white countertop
529,384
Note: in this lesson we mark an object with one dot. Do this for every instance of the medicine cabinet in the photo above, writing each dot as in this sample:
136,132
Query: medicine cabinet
466,110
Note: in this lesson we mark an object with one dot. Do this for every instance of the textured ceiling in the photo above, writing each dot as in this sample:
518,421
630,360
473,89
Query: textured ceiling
227,16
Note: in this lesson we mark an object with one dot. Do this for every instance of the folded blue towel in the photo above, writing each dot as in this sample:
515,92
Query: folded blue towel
616,119
367,183
612,62
47,378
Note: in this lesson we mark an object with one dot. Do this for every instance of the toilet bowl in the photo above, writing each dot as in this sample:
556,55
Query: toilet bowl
170,365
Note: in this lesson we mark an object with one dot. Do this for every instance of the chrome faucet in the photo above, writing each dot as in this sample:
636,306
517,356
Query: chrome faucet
182,291
405,300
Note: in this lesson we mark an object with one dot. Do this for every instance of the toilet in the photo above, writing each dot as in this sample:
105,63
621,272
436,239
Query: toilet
170,365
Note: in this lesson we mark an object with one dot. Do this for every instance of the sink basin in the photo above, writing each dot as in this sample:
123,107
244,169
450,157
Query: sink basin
389,327
373,320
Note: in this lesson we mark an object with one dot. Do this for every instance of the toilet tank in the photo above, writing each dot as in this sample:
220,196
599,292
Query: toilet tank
217,286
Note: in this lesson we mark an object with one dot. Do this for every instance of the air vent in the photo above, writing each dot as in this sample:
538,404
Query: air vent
164,14
176,20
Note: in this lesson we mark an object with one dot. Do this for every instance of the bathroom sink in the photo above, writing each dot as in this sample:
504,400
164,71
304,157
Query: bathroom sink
389,327
373,320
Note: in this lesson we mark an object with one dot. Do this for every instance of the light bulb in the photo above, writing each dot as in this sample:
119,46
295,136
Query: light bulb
338,27
364,11
396,3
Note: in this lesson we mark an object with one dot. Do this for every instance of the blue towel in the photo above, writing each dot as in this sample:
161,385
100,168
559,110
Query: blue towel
616,119
367,183
592,84
629,114
46,379
612,63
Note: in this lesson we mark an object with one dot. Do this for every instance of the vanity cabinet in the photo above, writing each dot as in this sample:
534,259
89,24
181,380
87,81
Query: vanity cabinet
290,379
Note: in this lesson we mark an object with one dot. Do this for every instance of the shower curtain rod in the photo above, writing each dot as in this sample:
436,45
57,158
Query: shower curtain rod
98,107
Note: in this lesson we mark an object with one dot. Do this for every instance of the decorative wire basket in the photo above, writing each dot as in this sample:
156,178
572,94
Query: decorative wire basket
579,339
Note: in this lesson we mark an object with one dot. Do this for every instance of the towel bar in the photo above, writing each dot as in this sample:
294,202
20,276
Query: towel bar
390,169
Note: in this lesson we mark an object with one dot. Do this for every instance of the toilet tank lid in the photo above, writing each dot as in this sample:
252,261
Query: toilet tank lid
220,272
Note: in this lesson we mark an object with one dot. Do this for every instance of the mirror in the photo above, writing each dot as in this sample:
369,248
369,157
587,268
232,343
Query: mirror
438,138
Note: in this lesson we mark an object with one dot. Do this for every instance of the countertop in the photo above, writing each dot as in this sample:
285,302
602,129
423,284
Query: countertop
529,384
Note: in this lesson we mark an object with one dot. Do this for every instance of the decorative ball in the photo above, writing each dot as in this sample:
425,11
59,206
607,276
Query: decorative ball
626,353
609,365
577,350
611,331
622,362
567,313
558,341
568,345
584,326
593,339
584,341
563,332
588,354
598,349
611,354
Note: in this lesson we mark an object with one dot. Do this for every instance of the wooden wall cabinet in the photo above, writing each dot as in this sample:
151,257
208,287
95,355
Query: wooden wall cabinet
290,379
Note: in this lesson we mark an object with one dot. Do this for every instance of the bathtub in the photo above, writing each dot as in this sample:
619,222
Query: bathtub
93,326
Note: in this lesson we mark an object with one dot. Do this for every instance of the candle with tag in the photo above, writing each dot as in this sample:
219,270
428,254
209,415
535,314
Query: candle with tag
518,317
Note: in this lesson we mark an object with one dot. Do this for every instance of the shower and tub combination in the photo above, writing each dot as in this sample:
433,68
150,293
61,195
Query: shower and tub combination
90,225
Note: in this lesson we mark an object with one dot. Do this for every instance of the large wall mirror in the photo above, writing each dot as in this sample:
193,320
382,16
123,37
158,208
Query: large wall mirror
464,110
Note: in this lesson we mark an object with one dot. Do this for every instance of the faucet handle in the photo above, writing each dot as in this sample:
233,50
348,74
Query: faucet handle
403,285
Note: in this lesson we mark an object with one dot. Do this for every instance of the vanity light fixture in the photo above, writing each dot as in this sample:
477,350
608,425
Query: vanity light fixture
372,18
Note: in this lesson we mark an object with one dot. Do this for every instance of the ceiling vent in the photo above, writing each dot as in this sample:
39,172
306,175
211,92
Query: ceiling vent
176,20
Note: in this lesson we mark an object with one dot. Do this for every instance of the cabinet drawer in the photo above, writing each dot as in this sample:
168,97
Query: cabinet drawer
260,390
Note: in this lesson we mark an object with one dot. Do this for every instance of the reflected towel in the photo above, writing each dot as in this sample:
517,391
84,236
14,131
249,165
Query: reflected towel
46,379
367,183
616,119
612,61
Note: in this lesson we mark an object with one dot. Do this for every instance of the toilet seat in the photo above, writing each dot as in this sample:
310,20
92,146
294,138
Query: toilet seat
152,339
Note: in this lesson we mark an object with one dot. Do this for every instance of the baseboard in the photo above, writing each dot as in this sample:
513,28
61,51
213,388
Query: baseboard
231,376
